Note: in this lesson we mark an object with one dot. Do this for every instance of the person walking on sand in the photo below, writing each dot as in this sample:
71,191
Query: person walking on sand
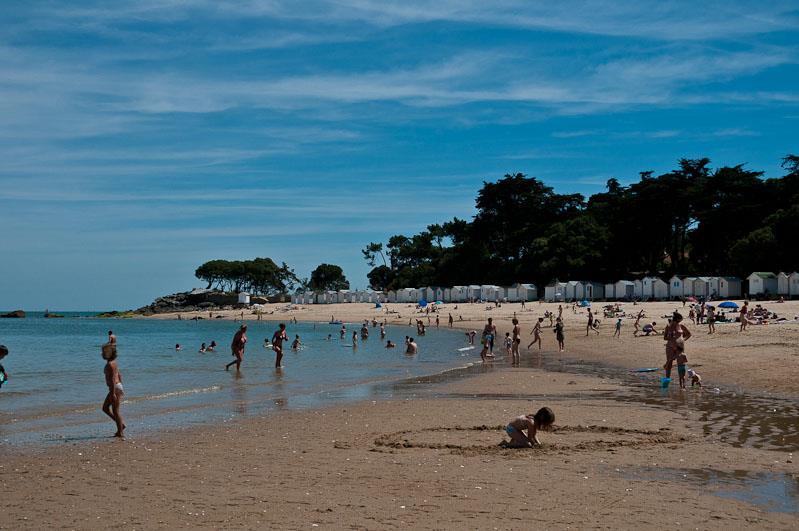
536,333
113,379
744,318
617,332
590,325
675,335
237,347
560,311
277,344
559,335
711,320
516,340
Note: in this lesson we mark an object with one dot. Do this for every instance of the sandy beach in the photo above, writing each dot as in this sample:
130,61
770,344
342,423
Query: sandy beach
429,457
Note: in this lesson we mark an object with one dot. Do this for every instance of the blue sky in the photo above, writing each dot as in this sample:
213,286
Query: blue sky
140,139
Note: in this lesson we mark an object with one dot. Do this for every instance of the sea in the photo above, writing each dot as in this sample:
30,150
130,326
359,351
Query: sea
56,384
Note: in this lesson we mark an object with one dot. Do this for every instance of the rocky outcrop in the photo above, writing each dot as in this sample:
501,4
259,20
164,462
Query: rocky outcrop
191,301
16,314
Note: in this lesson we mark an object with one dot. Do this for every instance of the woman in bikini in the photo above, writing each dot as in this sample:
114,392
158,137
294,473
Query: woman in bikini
675,334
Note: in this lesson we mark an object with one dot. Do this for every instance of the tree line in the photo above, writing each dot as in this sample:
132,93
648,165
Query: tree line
693,219
263,276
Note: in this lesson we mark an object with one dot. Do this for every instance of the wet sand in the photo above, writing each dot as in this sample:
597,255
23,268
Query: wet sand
424,462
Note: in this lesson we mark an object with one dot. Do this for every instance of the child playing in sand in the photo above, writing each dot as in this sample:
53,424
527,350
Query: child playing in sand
542,420
3,375
559,335
695,378
113,379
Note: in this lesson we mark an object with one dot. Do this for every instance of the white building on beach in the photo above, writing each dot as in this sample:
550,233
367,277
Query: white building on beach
762,283
793,284
783,284
624,290
653,288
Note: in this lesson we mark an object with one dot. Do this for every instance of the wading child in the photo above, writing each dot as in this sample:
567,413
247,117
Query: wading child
113,379
682,360
542,420
508,343
695,378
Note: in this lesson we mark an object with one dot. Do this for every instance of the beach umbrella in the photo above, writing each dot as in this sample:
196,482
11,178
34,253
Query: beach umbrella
584,304
439,302
423,303
691,299
728,304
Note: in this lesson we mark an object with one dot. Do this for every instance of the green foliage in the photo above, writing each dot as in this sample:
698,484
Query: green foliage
259,276
693,219
328,277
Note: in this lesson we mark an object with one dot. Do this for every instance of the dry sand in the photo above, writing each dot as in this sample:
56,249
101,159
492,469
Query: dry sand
432,461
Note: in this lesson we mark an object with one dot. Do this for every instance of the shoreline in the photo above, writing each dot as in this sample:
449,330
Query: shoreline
758,361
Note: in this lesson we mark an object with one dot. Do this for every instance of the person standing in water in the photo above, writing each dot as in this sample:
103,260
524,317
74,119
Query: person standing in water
113,379
489,334
517,339
112,339
675,334
237,347
277,344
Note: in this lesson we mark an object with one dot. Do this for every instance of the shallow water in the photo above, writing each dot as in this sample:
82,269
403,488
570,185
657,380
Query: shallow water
772,492
56,382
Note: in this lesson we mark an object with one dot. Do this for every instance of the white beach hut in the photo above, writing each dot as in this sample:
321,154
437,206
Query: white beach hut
511,293
593,290
555,291
474,292
391,296
446,295
571,290
654,289
624,290
609,291
729,287
702,286
793,284
407,295
527,292
459,294
688,286
676,287
490,293
638,288
783,284
244,298
762,283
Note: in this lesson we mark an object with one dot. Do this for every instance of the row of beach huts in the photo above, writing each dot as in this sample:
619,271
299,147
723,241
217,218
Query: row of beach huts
760,284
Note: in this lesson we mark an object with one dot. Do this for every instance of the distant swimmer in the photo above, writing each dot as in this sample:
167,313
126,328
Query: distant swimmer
178,347
390,344
203,348
237,347
412,347
211,347
277,344
382,331
113,379
296,344
342,332
112,339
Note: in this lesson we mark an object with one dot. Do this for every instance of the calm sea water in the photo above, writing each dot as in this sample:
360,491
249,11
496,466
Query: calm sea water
56,382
